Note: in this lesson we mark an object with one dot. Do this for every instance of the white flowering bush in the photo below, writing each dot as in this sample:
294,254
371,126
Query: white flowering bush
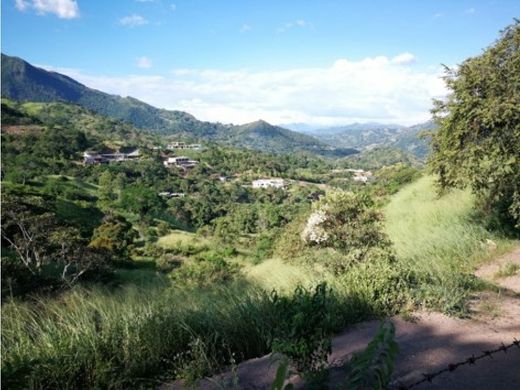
314,232
345,221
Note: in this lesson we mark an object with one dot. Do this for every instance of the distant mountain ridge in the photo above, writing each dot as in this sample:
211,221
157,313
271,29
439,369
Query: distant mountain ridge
25,82
368,136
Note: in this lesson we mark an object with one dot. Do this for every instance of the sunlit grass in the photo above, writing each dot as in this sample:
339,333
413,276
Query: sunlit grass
275,274
439,239
180,237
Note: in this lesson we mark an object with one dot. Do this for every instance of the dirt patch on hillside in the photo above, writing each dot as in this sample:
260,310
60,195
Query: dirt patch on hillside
504,271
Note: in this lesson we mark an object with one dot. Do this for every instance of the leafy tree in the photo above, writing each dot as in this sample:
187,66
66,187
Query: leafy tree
115,235
141,200
478,138
46,250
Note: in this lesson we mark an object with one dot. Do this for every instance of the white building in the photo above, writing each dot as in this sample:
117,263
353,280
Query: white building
93,157
183,145
265,183
181,161
168,194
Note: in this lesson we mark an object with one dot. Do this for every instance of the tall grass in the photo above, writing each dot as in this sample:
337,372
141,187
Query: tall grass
440,241
101,339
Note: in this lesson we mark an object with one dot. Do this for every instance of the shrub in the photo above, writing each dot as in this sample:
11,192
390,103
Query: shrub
205,271
305,323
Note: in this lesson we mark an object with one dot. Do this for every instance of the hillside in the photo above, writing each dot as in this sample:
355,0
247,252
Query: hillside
24,82
16,117
264,136
367,136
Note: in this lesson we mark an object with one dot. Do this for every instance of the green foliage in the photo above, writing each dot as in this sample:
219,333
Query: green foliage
305,323
116,236
372,368
206,270
478,141
380,157
282,372
348,223
392,178
45,251
141,200
438,241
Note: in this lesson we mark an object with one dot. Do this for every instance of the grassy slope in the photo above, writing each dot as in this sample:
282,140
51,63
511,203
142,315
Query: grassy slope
436,233
440,239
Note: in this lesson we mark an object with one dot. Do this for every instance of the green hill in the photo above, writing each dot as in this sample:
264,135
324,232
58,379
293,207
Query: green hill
24,82
264,136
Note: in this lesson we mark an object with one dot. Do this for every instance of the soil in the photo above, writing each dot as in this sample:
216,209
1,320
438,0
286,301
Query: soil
428,341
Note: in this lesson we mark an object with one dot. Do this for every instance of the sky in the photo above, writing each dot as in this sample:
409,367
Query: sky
318,62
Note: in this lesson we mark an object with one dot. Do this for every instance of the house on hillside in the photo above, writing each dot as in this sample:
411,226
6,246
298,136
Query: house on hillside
123,154
266,183
181,162
168,194
183,145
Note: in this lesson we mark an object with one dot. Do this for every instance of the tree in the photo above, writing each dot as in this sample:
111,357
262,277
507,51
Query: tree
46,248
478,139
141,200
115,235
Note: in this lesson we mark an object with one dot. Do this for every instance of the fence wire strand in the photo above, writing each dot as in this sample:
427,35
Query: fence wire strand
428,377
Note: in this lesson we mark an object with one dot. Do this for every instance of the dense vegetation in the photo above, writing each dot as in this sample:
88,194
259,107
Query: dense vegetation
478,142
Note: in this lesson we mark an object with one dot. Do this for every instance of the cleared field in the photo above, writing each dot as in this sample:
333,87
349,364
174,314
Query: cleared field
181,237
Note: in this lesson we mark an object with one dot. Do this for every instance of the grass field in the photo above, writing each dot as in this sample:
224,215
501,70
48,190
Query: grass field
441,241
181,237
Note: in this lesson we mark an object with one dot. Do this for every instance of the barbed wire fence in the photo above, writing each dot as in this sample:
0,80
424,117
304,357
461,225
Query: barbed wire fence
451,367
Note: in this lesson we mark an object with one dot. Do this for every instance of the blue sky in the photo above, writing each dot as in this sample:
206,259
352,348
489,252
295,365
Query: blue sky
318,62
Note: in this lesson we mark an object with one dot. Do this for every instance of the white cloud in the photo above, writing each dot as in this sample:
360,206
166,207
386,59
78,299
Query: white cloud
300,23
64,9
21,5
403,59
132,21
143,62
438,15
245,27
173,7
470,11
373,89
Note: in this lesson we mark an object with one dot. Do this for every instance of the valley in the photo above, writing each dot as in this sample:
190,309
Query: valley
144,248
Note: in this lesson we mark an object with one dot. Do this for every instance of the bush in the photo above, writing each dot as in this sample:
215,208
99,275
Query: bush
205,271
305,323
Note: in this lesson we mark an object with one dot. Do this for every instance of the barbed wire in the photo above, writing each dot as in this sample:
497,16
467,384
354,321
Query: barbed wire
428,377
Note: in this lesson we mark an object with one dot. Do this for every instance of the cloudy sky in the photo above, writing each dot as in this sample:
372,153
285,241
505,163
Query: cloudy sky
319,62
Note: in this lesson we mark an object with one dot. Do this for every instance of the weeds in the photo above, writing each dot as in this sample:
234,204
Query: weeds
508,269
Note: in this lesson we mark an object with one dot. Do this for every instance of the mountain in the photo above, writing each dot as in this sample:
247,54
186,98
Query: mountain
368,136
23,82
264,136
